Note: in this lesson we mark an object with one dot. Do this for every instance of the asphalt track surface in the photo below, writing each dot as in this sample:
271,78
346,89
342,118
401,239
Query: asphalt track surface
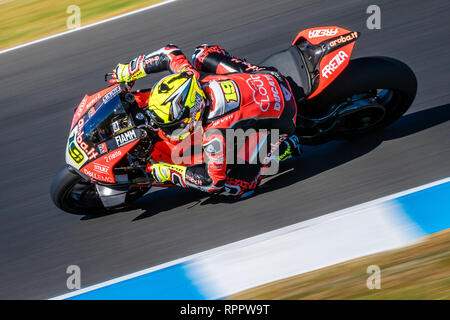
42,83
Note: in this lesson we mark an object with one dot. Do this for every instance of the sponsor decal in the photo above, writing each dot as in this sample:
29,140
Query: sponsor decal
224,96
102,148
201,53
111,94
250,67
193,180
275,147
286,93
75,153
229,91
125,138
151,60
198,104
116,126
112,156
91,153
83,106
261,95
222,120
334,63
101,168
344,39
97,176
322,33
91,112
275,92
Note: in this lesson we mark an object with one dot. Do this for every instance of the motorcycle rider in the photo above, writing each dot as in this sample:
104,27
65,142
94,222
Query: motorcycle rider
216,93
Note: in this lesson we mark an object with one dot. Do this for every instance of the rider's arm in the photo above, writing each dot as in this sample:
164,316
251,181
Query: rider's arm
169,58
209,176
214,169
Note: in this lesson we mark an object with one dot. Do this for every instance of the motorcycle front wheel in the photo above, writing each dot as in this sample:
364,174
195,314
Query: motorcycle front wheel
71,193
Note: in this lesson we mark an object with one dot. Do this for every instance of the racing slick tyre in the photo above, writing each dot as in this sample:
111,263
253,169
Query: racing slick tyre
374,92
71,193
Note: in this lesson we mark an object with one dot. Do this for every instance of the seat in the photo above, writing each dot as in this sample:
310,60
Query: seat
290,64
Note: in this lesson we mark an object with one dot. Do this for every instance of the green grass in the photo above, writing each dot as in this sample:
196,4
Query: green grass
420,271
27,20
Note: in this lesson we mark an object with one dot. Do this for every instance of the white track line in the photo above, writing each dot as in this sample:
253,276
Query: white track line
87,26
254,239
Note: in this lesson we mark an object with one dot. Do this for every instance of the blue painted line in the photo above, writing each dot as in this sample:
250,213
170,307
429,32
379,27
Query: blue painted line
170,283
428,208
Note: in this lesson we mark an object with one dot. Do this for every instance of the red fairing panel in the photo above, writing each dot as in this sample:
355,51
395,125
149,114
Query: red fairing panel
337,60
331,66
142,98
102,168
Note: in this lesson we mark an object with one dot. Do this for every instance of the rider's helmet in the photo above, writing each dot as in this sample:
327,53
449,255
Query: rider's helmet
176,104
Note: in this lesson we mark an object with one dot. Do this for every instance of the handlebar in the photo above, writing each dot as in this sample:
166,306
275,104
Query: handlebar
109,77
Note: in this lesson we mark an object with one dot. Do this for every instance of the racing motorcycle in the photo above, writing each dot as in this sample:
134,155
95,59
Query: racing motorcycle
111,144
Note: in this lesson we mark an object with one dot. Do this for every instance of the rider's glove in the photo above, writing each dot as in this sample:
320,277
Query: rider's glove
129,72
163,172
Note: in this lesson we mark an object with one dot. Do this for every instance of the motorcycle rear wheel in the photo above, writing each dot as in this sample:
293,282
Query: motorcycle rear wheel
389,82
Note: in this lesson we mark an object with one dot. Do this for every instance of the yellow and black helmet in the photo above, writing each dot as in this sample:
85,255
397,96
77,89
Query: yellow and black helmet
176,104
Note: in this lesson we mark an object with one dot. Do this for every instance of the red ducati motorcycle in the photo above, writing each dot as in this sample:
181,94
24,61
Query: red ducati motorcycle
111,143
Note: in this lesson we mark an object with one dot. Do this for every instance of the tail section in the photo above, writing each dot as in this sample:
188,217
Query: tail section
327,51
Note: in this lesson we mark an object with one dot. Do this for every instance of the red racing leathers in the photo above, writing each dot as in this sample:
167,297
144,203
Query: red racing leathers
240,96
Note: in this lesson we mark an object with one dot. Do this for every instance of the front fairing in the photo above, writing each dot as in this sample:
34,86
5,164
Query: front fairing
101,135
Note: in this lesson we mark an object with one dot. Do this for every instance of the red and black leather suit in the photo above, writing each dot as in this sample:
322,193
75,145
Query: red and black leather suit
241,96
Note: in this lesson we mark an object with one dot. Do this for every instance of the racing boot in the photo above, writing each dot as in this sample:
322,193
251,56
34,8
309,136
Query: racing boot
289,148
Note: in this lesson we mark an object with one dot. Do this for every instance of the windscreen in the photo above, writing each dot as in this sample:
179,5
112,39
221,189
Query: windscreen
108,120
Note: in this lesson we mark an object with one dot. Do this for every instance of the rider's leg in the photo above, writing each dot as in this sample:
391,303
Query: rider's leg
215,59
242,180
286,124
